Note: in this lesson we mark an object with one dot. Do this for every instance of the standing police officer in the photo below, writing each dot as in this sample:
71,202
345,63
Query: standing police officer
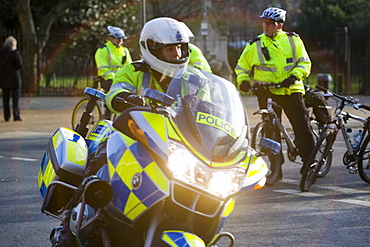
110,57
278,56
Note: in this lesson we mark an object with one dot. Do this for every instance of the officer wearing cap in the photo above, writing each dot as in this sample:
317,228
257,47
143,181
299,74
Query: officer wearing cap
110,57
278,56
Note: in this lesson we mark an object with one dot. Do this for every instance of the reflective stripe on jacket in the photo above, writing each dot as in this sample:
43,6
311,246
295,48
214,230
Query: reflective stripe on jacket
286,56
109,59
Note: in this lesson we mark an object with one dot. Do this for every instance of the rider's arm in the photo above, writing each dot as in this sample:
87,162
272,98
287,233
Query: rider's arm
126,82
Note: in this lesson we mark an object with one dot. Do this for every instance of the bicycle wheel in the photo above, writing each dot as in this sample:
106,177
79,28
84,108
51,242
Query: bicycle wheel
364,160
80,109
273,160
316,129
316,160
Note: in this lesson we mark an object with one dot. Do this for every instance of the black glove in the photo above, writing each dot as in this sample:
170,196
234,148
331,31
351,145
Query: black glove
122,101
288,81
105,84
245,86
135,99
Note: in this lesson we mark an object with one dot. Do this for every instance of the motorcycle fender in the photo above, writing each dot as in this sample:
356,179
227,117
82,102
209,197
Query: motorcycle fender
101,131
137,181
180,238
65,159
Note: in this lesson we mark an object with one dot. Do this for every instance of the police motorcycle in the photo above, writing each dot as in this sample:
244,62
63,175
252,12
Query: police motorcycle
172,173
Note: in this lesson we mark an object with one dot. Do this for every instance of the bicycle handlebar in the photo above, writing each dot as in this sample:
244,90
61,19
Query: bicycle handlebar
352,101
364,107
258,86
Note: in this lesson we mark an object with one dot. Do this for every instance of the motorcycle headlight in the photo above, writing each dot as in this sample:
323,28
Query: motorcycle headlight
187,168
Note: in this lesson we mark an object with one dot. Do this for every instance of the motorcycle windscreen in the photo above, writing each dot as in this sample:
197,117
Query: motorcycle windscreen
209,112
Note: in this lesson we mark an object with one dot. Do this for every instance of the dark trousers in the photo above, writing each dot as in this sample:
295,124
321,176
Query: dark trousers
297,113
14,93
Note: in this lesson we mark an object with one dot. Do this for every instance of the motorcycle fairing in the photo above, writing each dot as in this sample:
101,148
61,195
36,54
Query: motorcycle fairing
241,158
46,174
180,239
227,210
256,172
98,134
209,112
154,127
65,159
136,179
172,132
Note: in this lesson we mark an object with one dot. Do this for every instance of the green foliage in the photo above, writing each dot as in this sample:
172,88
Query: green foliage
320,18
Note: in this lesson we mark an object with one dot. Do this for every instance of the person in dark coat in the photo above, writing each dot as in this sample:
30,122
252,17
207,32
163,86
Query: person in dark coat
10,78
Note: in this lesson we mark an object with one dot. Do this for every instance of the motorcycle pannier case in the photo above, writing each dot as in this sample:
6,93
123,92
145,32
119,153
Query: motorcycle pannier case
65,161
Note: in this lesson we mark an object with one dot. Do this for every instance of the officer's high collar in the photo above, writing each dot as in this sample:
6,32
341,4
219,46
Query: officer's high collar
275,34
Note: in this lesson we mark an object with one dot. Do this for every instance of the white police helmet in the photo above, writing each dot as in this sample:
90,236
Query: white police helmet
275,14
158,33
116,32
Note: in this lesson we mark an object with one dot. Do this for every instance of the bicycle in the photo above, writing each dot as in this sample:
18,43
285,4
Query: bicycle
320,114
354,158
97,110
271,127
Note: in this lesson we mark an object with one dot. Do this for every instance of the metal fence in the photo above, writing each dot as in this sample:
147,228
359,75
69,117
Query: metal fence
66,64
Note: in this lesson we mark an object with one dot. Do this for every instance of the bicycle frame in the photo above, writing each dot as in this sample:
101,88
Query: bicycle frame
352,158
338,124
269,115
351,153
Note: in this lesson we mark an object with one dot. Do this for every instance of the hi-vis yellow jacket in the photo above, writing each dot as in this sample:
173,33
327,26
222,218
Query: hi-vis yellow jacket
286,56
197,59
132,78
109,59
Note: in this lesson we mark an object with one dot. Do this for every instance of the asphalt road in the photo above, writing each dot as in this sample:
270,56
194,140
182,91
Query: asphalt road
334,212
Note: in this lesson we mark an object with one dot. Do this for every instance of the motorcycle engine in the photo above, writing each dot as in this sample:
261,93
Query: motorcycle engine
88,213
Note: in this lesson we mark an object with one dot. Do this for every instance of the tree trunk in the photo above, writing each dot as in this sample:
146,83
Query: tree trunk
29,46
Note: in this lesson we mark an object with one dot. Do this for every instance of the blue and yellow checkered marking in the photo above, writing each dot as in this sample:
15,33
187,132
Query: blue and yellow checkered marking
155,131
126,159
182,239
69,148
46,174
